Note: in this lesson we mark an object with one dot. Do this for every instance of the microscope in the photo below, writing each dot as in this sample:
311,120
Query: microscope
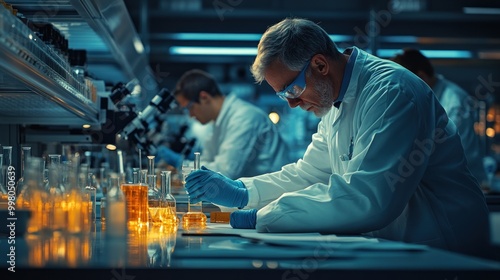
123,125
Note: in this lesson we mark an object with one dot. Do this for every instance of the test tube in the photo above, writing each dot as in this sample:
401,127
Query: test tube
196,207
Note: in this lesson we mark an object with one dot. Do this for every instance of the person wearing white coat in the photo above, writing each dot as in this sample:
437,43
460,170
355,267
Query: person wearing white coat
242,140
458,104
385,161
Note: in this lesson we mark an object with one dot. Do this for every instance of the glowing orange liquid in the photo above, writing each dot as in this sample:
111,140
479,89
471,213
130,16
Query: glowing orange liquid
136,196
194,221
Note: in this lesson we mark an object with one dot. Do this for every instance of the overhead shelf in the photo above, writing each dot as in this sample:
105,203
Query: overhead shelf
111,21
37,85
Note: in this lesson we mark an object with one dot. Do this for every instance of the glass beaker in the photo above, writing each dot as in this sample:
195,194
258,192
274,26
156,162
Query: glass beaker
194,219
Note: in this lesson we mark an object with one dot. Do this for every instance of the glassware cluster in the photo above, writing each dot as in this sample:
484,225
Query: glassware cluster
62,194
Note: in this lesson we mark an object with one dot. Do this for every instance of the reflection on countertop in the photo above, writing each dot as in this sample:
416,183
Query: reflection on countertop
149,246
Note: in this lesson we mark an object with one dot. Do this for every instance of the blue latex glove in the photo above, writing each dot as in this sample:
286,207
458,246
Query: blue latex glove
166,154
205,184
243,219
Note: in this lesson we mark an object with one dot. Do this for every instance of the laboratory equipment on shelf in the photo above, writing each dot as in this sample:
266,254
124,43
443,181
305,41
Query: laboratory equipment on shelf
125,124
194,219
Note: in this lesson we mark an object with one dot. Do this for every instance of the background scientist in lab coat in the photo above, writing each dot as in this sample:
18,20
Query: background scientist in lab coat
385,160
243,140
457,103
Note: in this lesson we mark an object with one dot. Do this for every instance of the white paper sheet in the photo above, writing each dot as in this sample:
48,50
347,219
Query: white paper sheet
305,240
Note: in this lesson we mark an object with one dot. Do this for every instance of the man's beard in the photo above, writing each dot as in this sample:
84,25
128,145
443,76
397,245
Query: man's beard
325,94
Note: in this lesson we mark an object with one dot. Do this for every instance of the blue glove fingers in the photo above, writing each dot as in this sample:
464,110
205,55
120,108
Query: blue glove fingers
196,174
204,168
217,191
205,184
228,195
246,219
197,194
196,182
176,159
197,179
160,154
168,156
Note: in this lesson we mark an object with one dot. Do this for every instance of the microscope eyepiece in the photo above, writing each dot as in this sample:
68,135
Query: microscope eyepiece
120,91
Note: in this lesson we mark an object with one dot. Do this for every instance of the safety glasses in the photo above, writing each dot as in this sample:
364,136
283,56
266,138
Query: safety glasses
187,108
297,87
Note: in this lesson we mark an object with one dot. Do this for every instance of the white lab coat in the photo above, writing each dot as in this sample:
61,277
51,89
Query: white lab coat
461,109
243,141
407,179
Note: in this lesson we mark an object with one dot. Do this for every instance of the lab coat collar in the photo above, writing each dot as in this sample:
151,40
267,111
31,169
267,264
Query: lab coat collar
228,102
347,75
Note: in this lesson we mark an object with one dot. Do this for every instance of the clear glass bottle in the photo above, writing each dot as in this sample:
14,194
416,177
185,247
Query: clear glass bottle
103,178
168,202
102,190
58,210
104,201
25,155
136,172
115,211
194,219
3,188
91,191
33,196
77,216
154,198
116,233
7,161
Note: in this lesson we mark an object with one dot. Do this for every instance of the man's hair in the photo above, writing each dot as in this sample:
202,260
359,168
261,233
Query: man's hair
414,60
193,82
293,41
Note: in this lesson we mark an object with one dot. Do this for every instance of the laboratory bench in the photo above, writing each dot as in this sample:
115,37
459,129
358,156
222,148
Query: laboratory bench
220,252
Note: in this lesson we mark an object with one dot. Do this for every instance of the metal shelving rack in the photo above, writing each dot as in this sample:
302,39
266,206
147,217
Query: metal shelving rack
37,85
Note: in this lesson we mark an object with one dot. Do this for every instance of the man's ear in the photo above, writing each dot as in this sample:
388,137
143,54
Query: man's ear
320,63
204,97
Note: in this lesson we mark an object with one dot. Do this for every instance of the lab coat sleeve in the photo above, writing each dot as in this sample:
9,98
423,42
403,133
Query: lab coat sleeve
379,179
238,144
313,167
